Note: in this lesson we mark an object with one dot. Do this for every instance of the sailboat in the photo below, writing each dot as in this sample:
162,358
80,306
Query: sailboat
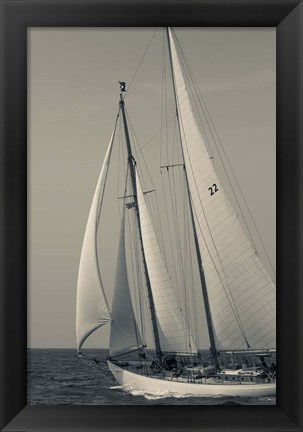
237,291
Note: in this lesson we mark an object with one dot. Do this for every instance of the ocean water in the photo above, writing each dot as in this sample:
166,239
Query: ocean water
58,377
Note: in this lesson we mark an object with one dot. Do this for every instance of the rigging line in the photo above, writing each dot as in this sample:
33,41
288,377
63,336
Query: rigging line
202,279
166,98
161,230
193,83
121,162
141,297
178,241
136,142
137,336
186,251
253,282
99,205
132,260
165,136
272,320
201,231
150,178
130,236
142,284
83,360
162,104
126,179
140,62
139,282
253,336
185,326
154,136
196,91
185,255
134,251
163,98
176,223
266,311
243,303
158,225
161,145
252,295
155,359
168,301
121,328
173,225
101,196
169,232
174,140
164,114
202,103
118,177
191,282
233,308
259,340
253,325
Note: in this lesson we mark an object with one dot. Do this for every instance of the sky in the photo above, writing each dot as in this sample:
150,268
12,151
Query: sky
73,93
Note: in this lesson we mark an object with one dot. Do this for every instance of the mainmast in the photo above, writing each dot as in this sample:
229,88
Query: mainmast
132,169
197,247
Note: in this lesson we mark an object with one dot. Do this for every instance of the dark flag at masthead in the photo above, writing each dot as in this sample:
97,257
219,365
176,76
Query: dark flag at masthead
122,86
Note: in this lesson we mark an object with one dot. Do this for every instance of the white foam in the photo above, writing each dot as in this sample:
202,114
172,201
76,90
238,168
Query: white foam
161,394
167,394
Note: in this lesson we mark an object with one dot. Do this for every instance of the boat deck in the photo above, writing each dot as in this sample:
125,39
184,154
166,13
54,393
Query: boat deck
196,375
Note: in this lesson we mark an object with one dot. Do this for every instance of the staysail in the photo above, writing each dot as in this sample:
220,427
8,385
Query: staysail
241,293
124,334
173,330
92,309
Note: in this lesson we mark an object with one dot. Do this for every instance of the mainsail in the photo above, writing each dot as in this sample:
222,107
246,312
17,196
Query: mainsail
124,334
173,330
241,293
92,308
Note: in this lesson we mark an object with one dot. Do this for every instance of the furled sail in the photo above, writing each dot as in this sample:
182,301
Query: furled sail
92,309
124,334
173,330
241,293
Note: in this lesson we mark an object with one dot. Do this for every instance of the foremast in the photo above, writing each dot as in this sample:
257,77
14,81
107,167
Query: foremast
132,170
197,247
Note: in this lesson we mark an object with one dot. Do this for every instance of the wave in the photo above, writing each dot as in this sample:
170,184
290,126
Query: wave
158,394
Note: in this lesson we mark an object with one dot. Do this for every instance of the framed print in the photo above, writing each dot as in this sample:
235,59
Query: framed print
52,59
66,97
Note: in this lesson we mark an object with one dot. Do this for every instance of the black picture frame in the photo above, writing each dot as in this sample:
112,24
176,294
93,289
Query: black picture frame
16,17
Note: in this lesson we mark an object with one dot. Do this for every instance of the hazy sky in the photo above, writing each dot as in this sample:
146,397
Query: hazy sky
73,79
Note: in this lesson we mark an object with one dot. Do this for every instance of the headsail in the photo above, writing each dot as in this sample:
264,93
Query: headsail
124,334
241,293
173,330
92,308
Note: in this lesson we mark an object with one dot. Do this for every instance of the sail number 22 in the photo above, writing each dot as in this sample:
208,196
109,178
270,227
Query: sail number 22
213,189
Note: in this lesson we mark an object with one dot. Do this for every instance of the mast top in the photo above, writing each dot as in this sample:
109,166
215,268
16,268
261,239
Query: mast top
122,88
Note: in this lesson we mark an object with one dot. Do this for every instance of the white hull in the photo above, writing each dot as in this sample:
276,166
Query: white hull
132,381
